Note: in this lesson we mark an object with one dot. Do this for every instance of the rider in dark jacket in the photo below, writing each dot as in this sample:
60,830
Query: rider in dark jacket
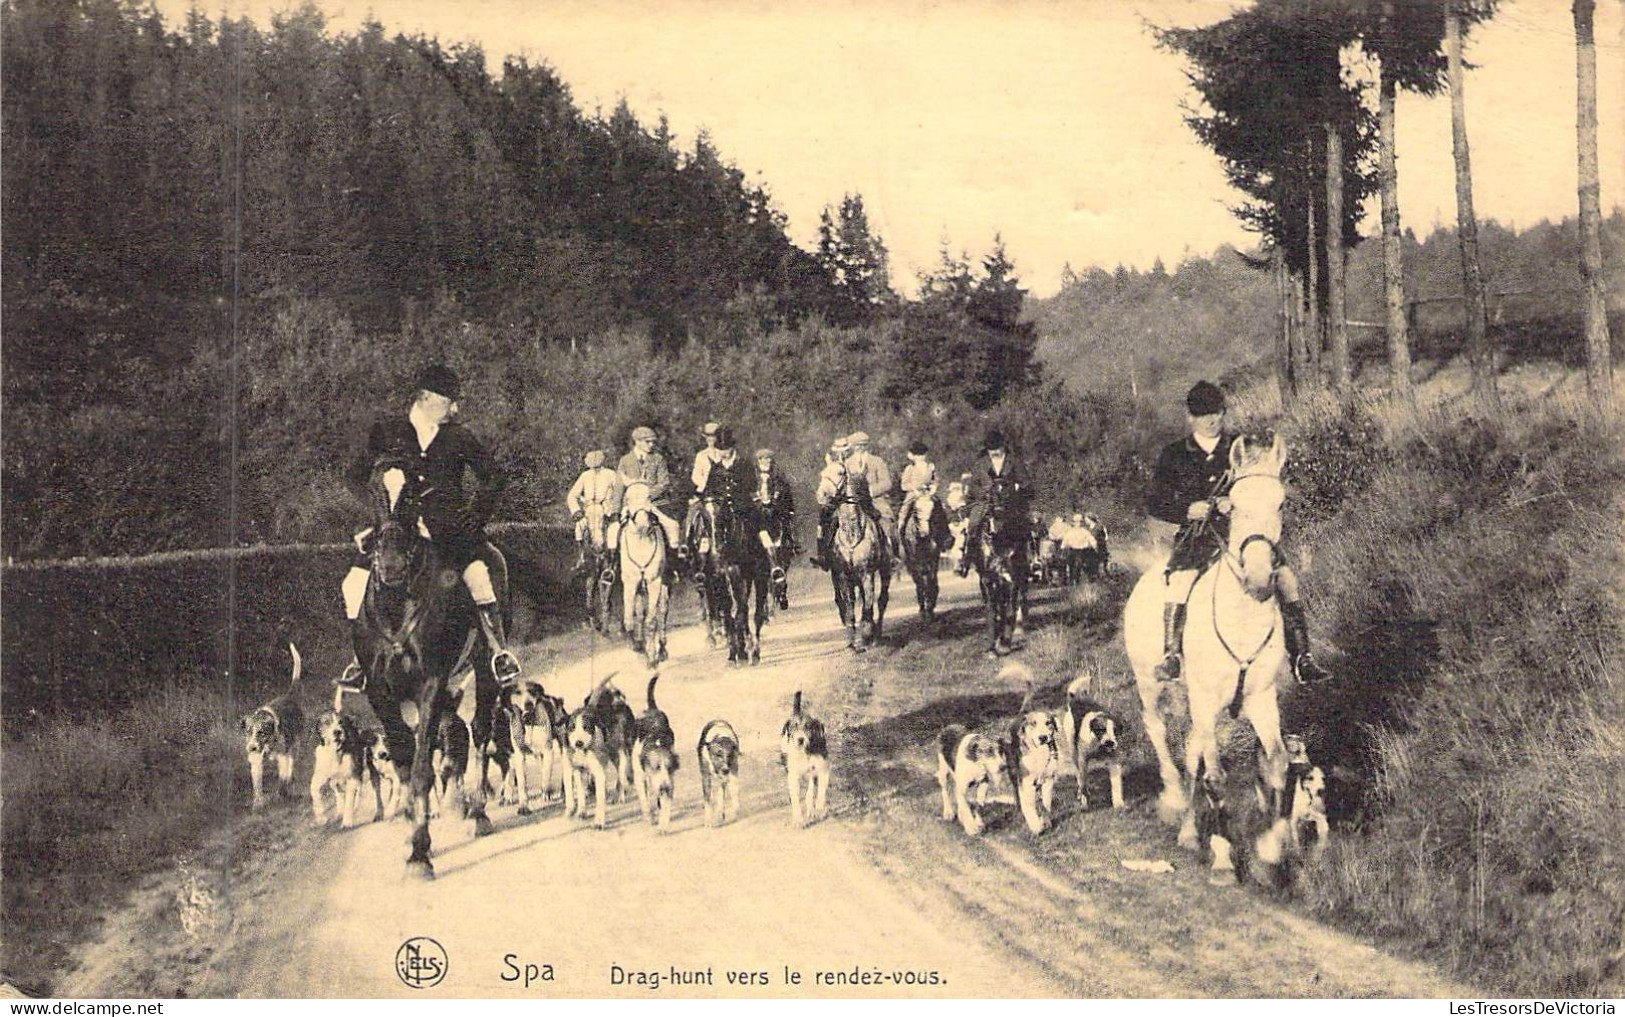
1188,500
1002,475
728,482
429,444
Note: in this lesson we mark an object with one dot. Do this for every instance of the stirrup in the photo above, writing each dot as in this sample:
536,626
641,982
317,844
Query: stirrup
1307,672
607,576
505,666
778,575
353,679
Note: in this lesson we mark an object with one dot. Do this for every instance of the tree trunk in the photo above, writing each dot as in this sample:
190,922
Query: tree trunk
1594,309
1472,283
1311,337
1283,331
1337,330
1393,264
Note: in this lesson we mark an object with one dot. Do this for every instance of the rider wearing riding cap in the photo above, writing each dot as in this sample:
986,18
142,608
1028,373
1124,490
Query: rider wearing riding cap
830,481
877,477
429,441
1187,501
1002,472
643,464
597,486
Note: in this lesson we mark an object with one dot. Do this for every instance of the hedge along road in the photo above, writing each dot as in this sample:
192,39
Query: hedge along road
880,899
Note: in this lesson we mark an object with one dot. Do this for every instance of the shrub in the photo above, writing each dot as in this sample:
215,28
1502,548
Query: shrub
1472,582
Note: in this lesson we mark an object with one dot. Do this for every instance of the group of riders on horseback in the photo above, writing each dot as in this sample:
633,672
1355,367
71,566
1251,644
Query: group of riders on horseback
1187,505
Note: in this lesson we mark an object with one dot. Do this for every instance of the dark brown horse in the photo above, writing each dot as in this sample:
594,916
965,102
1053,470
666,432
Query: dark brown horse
925,536
1003,567
419,629
721,558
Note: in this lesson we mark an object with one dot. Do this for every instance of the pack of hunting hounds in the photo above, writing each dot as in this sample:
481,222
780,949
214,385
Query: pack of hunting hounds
600,748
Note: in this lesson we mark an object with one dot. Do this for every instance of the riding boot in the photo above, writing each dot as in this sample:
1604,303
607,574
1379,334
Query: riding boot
820,556
503,663
1173,635
353,679
1295,630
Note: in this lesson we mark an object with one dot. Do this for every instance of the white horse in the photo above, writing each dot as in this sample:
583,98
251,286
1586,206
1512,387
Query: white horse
1234,655
646,598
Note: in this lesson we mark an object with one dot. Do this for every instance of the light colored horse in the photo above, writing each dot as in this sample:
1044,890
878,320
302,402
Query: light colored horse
645,596
1234,655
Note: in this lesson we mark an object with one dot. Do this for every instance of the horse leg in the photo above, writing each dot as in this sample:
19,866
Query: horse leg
1201,729
761,618
1265,717
1018,607
485,704
662,607
862,611
880,604
417,863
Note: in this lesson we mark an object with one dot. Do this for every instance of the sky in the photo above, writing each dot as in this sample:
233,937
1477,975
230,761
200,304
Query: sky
1054,123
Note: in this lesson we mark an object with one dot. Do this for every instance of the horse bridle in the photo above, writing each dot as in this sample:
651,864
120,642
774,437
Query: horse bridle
652,525
1233,561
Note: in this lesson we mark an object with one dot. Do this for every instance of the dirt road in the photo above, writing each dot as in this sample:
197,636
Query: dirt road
881,899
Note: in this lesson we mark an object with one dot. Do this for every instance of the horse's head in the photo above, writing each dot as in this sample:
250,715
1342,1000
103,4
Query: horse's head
397,528
640,513
1256,496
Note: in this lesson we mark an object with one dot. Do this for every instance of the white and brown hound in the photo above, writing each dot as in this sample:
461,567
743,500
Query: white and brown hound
342,765
599,739
1306,812
805,751
273,732
967,760
719,772
384,775
1093,735
1035,762
529,722
654,747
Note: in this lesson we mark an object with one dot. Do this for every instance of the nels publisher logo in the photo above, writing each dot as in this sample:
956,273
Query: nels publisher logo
421,962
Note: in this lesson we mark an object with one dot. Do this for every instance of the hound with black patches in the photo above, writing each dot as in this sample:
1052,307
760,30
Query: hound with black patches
967,760
273,732
383,774
1306,812
342,766
528,723
599,740
1034,762
1092,735
805,751
654,748
719,772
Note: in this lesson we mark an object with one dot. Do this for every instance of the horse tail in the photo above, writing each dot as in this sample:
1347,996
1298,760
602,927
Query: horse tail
651,692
